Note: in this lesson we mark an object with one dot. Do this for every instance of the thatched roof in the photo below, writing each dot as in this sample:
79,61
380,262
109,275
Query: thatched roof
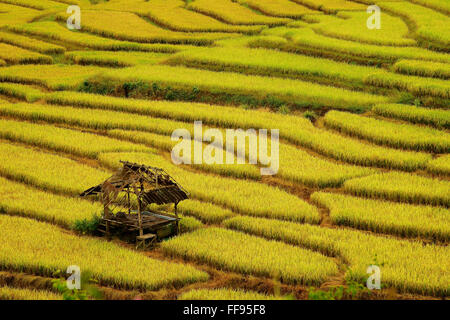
150,184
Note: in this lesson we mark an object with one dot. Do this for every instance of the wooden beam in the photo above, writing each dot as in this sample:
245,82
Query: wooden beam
129,202
106,212
141,232
176,215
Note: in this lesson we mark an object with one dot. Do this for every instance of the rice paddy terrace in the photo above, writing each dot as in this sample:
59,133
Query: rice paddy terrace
364,149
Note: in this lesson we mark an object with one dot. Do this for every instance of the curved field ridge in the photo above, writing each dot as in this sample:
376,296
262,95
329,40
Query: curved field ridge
46,170
387,217
440,165
409,266
204,211
416,85
105,260
21,91
17,198
241,196
402,187
54,31
295,129
428,23
165,143
15,55
30,44
8,293
278,8
128,26
293,92
175,15
423,68
397,135
295,164
271,62
434,117
55,77
64,140
233,13
225,294
306,39
218,247
394,31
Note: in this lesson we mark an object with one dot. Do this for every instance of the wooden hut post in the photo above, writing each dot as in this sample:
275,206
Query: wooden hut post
129,201
106,212
141,232
176,215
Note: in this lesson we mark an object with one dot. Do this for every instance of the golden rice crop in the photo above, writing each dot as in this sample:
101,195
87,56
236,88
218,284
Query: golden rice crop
189,224
427,23
64,140
15,55
278,8
360,153
56,77
115,59
30,43
11,14
19,199
284,32
299,166
35,4
416,85
397,135
21,91
130,27
297,130
206,212
440,165
402,187
331,6
435,117
184,111
172,14
163,142
271,63
247,171
423,68
233,13
294,164
109,263
305,39
393,32
9,293
219,247
53,31
91,118
47,171
440,5
409,266
224,294
294,92
386,217
77,2
241,196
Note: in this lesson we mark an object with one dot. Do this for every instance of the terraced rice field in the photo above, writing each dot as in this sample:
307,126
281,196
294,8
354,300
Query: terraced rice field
363,156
